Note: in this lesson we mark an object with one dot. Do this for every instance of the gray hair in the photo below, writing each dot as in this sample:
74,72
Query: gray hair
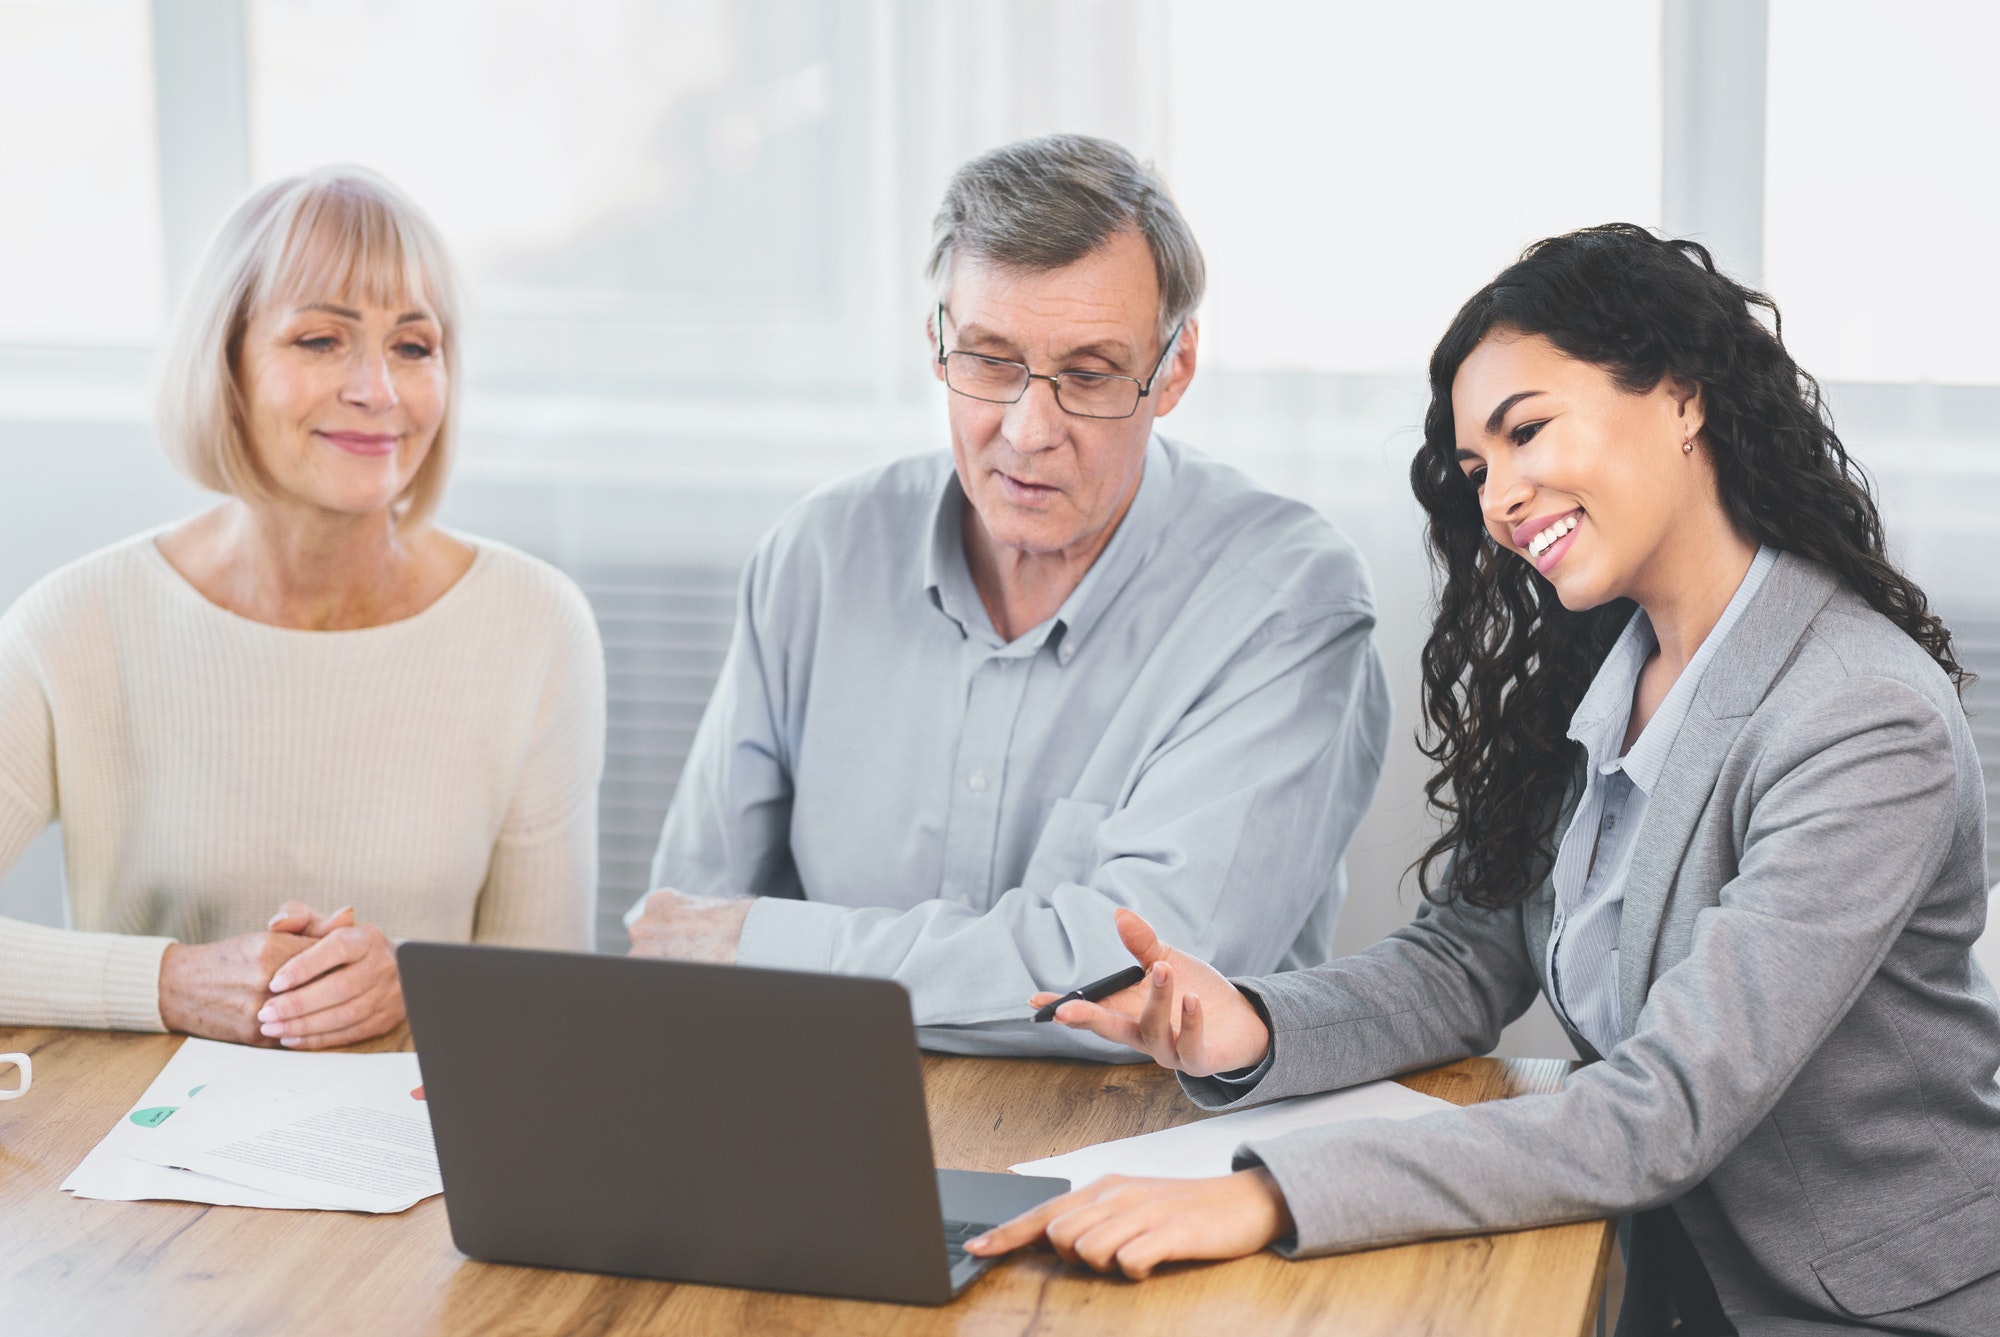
1040,204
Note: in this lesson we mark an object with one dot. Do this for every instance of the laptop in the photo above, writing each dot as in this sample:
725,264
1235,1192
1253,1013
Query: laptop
716,1124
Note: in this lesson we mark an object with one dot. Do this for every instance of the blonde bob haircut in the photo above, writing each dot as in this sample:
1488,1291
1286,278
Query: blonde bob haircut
337,233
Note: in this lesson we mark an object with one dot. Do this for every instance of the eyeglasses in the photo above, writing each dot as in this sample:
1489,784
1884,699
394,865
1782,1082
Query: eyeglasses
1087,394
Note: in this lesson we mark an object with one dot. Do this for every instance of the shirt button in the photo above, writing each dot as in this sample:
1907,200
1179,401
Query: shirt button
977,784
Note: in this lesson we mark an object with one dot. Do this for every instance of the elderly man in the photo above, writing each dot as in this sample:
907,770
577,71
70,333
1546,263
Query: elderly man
975,700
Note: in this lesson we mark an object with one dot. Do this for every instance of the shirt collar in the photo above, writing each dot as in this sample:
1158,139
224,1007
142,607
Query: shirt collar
1123,555
1601,719
948,580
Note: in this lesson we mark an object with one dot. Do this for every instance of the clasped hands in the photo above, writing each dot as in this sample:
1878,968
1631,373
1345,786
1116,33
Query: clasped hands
1185,1016
308,981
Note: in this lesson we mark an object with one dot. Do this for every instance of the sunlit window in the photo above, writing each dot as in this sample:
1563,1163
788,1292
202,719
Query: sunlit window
1881,187
80,252
620,165
1355,172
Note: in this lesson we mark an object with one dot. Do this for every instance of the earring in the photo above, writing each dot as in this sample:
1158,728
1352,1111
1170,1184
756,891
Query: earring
1687,446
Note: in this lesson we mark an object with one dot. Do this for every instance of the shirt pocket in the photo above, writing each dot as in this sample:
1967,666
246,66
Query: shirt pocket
1916,1260
1067,849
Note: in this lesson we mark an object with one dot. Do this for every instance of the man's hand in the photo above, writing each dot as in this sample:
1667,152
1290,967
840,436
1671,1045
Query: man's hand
343,988
1183,1015
1134,1225
681,927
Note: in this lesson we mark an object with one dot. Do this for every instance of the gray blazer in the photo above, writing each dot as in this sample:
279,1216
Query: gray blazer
1807,1065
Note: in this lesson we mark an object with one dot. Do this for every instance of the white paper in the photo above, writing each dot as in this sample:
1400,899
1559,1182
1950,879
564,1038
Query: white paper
1203,1149
212,1096
110,1171
341,1131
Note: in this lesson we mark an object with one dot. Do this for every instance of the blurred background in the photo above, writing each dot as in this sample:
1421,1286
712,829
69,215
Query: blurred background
693,232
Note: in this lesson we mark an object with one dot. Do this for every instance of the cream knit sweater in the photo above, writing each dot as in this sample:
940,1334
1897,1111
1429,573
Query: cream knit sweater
439,773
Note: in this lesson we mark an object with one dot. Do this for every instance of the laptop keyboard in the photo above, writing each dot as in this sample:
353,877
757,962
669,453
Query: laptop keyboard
956,1233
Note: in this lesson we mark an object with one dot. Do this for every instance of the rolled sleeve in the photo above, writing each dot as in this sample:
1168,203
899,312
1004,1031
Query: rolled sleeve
784,934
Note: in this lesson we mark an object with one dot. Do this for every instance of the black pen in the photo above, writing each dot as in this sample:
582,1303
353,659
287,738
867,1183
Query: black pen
1094,992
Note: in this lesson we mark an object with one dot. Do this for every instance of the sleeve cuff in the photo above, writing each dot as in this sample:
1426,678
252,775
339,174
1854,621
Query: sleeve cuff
61,977
132,984
1223,1089
783,934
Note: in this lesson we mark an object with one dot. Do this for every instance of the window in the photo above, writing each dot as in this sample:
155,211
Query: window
1355,172
646,197
80,250
1880,188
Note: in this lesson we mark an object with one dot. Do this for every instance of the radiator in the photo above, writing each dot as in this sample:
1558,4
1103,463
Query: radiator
665,629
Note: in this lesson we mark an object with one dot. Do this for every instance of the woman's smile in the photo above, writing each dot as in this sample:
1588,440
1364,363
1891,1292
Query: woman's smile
1546,540
371,444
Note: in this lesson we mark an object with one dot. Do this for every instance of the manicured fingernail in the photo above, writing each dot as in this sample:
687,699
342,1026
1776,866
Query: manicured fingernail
978,1242
291,1042
280,982
273,1028
267,1013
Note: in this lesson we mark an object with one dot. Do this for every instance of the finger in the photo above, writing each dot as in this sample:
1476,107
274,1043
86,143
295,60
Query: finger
1026,1228
1156,1023
327,954
1042,1000
335,1017
292,917
341,918
336,988
1145,1251
1193,1044
1068,1227
1101,1020
1139,938
366,1030
1098,1247
376,1011
332,989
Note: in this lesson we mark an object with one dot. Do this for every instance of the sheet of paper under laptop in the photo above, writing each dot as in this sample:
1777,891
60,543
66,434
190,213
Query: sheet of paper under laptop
240,1126
1204,1148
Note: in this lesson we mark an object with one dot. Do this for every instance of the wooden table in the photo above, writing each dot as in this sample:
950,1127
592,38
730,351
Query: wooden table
72,1265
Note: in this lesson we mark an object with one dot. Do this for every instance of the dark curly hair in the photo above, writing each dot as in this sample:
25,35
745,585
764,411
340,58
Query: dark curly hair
1506,664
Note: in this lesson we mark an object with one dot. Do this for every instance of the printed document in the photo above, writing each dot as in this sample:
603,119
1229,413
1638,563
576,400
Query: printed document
1205,1148
241,1126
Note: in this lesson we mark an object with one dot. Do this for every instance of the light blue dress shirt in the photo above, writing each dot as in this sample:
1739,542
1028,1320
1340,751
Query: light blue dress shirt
1590,891
1194,734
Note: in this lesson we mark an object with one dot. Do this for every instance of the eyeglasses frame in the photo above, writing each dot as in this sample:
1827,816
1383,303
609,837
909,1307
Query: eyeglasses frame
1055,378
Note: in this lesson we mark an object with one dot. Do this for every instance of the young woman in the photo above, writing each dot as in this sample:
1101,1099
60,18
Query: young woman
1707,783
310,694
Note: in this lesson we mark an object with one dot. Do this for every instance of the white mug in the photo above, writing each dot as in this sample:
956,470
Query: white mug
27,1068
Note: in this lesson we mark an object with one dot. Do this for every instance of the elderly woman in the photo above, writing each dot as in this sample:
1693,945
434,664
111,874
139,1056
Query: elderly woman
310,695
